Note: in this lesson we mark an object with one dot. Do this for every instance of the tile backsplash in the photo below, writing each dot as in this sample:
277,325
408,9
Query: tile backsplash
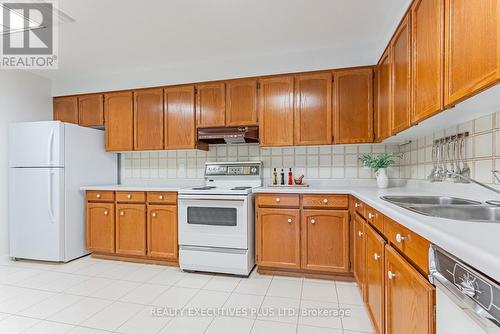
317,162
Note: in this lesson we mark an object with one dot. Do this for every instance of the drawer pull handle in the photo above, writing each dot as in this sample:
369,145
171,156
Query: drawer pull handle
161,197
371,215
122,213
325,201
356,205
360,234
289,220
376,257
278,200
98,195
106,213
390,275
129,196
313,221
400,238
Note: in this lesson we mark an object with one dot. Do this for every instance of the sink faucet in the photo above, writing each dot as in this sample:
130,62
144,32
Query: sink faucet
469,180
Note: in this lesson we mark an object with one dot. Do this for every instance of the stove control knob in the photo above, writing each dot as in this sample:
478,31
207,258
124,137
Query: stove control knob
253,170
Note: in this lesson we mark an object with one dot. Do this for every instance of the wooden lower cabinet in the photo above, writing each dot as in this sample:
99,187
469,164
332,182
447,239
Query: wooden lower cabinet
162,231
131,229
375,278
410,298
278,238
325,240
358,240
100,227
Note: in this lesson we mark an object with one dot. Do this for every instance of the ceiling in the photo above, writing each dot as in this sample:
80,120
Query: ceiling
115,44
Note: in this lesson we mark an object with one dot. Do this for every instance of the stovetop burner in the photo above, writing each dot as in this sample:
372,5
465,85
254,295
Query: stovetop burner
204,188
241,188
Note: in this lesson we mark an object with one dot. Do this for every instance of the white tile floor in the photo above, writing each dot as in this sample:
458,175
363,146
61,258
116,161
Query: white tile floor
98,296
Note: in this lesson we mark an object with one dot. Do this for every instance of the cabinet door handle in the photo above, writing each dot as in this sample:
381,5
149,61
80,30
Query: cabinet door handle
325,201
356,205
122,213
360,234
289,220
313,221
390,275
400,238
106,213
154,214
371,215
376,257
278,199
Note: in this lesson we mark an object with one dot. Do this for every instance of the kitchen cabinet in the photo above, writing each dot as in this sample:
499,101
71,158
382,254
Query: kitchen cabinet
276,119
131,229
353,106
325,240
401,70
410,298
162,231
211,105
119,115
148,119
359,265
100,227
180,124
91,110
472,59
384,105
375,278
65,109
241,102
278,238
427,35
313,109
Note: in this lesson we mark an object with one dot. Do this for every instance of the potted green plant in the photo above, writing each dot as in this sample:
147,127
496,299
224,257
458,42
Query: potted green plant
379,164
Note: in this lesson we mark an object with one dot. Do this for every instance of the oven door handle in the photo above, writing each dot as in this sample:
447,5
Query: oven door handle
212,198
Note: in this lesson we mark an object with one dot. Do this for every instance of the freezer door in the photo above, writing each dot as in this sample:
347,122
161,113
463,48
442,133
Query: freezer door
36,144
36,208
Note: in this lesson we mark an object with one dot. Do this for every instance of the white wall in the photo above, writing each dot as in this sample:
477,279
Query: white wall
23,97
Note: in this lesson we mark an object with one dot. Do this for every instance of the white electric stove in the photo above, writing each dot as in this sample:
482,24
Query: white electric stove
216,219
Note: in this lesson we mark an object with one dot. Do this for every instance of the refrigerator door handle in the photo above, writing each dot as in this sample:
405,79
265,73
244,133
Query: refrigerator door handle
50,197
50,150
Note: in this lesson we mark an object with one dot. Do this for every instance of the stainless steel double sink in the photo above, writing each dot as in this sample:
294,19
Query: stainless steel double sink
448,207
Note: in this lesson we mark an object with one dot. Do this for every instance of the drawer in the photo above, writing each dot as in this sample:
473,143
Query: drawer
278,200
325,201
162,197
375,218
100,196
130,196
412,245
359,207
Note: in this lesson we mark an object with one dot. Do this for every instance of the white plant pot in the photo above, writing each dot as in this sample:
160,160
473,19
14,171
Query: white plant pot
382,179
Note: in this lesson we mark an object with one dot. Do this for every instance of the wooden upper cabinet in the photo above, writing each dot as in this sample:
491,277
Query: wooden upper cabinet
359,252
241,102
276,111
148,117
162,231
401,84
119,115
278,238
353,106
131,229
375,278
313,109
211,105
410,298
472,59
427,31
91,110
100,229
325,240
384,99
180,127
65,109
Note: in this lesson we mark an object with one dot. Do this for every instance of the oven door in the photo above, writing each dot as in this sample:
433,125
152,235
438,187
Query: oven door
213,221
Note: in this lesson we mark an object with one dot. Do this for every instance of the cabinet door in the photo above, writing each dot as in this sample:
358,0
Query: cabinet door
276,111
359,252
241,102
211,105
384,100
401,84
325,240
100,229
131,229
353,107
427,31
162,231
278,238
180,126
65,109
91,110
375,278
313,109
471,47
148,117
119,115
410,298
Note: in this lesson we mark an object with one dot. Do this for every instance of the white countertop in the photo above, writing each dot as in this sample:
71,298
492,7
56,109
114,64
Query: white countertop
478,244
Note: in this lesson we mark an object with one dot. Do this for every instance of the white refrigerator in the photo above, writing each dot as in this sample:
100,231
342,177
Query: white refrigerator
48,163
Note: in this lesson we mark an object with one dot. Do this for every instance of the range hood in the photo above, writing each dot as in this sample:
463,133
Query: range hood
230,135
